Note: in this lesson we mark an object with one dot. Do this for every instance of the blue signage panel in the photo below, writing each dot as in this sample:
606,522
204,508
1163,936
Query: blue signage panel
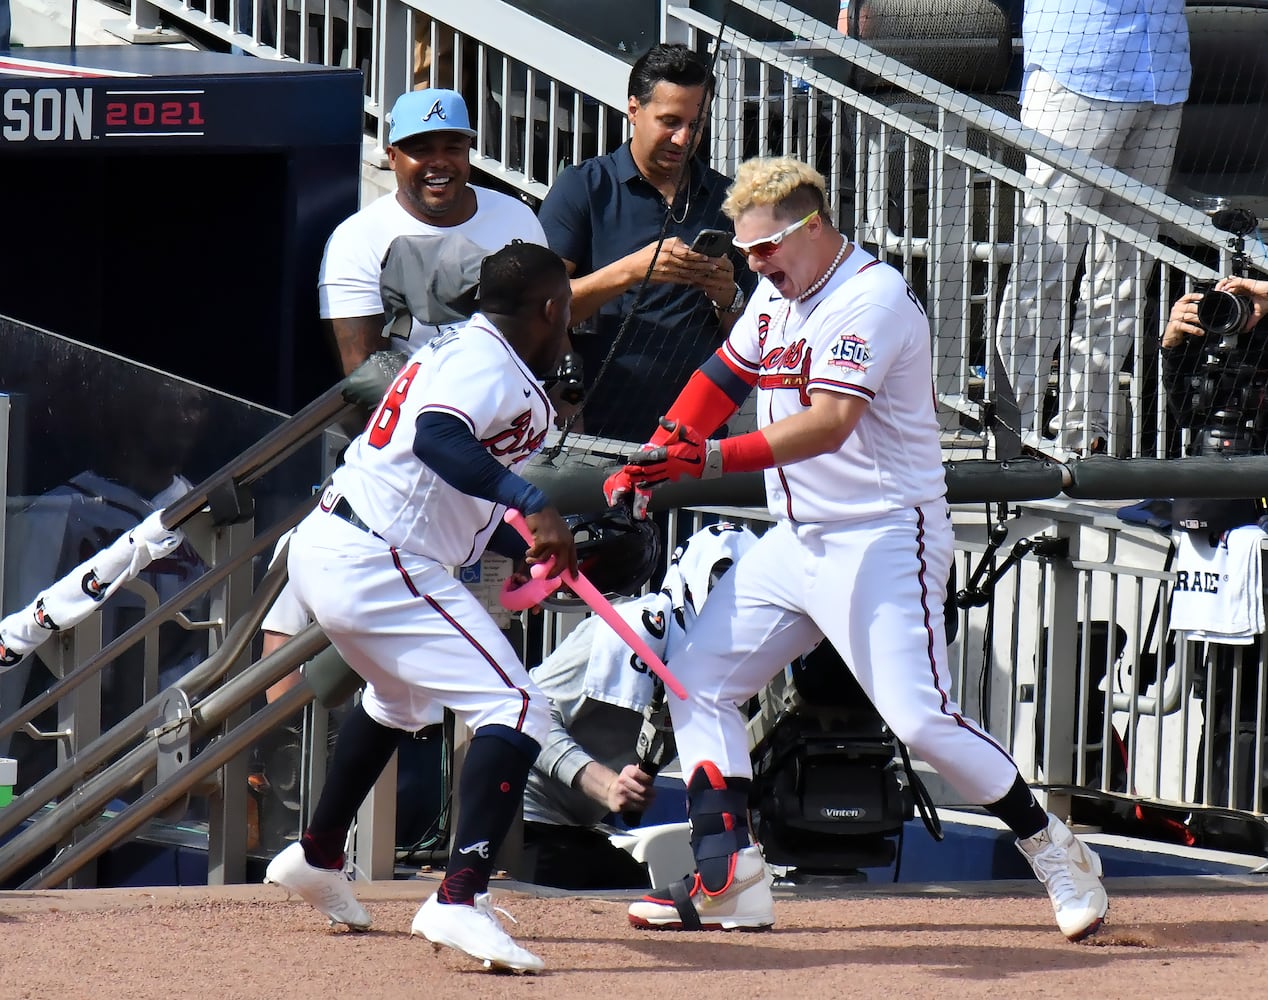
135,96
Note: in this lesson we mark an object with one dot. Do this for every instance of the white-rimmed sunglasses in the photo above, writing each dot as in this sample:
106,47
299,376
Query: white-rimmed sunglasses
767,245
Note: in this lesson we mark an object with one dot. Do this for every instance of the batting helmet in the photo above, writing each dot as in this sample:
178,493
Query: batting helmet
615,552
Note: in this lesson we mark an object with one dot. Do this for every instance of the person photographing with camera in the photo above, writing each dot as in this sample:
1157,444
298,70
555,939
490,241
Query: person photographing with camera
1186,314
1215,369
1215,360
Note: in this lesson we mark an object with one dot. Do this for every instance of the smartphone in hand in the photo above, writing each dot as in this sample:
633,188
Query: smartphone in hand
712,242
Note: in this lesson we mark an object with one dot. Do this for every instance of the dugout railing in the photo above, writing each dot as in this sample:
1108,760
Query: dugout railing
101,714
927,175
1064,650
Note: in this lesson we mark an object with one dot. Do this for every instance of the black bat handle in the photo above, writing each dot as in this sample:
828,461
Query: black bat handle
633,817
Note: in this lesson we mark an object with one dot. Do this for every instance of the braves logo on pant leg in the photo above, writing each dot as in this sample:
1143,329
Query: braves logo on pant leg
43,619
8,657
92,585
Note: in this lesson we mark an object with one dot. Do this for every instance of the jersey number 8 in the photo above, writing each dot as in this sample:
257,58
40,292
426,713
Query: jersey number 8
389,411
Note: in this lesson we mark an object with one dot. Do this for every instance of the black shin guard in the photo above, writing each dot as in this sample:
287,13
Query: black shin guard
490,793
718,810
362,750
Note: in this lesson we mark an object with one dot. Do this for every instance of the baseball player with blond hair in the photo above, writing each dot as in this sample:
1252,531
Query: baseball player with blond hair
838,347
423,489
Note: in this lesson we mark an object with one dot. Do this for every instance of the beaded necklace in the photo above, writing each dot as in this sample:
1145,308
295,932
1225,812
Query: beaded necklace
823,279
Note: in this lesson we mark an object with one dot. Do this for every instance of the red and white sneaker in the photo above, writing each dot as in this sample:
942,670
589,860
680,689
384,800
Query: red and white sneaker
744,903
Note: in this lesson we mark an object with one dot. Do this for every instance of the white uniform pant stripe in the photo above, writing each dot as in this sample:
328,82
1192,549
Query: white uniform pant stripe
417,635
876,590
488,657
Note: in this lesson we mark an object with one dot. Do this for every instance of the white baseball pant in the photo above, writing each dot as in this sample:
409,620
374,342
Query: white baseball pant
414,633
1140,140
875,590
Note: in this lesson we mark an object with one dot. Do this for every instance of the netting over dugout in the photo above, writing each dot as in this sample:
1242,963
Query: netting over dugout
1048,268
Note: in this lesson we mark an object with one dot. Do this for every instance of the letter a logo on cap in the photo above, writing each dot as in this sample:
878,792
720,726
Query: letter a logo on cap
418,111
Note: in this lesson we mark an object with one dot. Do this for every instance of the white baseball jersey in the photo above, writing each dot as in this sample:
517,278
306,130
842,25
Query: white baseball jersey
348,284
864,334
472,373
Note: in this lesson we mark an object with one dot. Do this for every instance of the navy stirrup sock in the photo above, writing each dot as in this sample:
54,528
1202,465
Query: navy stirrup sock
362,750
490,794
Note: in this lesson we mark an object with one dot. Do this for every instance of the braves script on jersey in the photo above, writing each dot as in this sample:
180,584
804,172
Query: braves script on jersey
474,374
864,334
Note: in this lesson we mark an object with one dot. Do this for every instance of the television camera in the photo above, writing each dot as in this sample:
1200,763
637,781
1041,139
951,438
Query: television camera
832,786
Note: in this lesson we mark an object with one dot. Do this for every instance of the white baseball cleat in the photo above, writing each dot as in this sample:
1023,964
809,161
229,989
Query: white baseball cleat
1071,872
474,930
745,903
327,890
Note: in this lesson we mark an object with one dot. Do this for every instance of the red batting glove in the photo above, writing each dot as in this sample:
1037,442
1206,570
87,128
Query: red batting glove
682,455
621,488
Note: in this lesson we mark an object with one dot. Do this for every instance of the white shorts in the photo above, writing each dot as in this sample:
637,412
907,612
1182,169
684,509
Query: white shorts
287,616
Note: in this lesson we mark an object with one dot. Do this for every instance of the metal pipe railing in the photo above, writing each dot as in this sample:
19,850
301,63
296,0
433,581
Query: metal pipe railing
89,759
267,453
158,798
134,764
978,115
105,780
87,801
930,122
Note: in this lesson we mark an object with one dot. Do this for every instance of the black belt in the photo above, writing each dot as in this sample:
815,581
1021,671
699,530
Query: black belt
344,510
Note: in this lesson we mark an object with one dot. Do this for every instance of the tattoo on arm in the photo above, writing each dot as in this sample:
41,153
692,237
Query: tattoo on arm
355,338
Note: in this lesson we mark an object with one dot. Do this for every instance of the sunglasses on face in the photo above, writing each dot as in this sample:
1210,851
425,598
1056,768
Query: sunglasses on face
767,245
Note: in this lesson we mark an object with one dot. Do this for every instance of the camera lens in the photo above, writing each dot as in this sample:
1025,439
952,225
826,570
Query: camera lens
1225,418
1222,313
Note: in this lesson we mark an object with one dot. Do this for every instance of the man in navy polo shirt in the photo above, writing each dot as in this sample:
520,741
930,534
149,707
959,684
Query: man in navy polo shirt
604,217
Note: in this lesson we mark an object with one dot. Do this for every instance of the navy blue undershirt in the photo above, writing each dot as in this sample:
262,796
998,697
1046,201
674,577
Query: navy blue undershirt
445,444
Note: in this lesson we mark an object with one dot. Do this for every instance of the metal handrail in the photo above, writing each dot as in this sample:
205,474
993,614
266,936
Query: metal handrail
263,456
978,115
88,759
1078,164
85,805
243,470
168,610
158,798
246,468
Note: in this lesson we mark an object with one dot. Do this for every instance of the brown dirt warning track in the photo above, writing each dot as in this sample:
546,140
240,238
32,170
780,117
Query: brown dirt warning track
1192,937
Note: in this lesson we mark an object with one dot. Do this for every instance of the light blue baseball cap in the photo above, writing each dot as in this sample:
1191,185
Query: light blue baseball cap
431,110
